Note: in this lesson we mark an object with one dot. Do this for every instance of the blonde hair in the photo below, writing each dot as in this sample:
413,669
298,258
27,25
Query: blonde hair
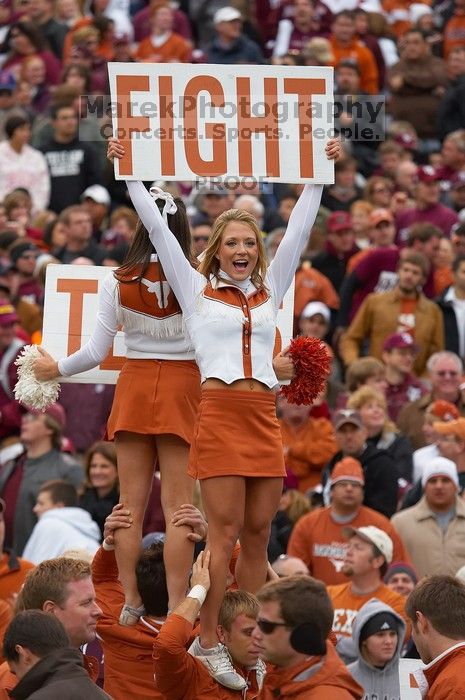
49,581
210,264
362,206
299,505
237,603
366,394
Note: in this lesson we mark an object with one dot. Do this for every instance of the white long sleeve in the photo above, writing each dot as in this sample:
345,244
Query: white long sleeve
283,37
96,349
185,282
284,265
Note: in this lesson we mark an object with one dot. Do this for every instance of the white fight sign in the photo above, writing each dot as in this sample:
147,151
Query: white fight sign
191,122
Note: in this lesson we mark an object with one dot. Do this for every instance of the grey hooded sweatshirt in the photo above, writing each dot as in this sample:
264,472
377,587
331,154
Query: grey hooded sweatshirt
378,683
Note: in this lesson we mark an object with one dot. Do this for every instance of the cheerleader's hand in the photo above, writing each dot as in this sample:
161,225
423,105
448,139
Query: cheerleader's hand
333,149
283,366
45,368
115,149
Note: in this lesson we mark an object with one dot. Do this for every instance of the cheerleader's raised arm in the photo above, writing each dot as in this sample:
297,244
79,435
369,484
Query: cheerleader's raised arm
284,265
185,282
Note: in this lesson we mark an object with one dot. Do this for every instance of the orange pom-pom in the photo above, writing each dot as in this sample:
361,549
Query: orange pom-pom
312,362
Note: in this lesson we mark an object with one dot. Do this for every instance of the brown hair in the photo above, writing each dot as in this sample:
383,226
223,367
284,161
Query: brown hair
61,492
237,603
362,369
57,430
129,215
106,449
423,232
65,215
371,183
390,147
49,580
441,599
210,264
417,259
302,599
141,247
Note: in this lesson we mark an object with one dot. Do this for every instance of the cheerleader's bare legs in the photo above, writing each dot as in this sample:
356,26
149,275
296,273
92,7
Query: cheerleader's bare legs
136,454
236,508
177,488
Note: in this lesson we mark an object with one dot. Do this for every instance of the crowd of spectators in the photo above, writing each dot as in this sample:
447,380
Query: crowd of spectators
373,498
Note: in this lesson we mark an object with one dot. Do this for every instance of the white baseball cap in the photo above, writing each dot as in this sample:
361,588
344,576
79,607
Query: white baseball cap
375,536
98,193
316,307
226,14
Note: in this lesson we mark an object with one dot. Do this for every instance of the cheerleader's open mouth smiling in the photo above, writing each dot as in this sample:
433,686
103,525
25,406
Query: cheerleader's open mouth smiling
238,250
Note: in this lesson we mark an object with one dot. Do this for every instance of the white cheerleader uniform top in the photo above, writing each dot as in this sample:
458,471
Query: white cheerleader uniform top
149,315
232,330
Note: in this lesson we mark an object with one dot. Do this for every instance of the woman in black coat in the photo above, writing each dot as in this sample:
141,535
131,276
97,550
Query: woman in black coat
101,492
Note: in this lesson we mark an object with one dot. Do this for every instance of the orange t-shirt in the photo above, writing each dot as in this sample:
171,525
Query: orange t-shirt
366,61
175,48
317,539
346,605
309,449
312,285
11,580
406,321
454,33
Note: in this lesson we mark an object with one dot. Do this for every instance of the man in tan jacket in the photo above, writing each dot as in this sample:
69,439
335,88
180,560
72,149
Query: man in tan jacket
405,309
433,530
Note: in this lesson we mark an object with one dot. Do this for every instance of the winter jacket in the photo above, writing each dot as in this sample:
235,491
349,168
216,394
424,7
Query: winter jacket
432,550
378,683
58,676
380,478
451,331
99,508
60,529
242,50
380,315
317,678
401,450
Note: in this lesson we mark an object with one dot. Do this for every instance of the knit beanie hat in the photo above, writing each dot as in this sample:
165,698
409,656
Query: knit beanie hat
347,469
380,622
19,249
400,567
440,466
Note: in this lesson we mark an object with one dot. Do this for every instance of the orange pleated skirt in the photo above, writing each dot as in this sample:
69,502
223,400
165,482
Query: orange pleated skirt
236,434
156,397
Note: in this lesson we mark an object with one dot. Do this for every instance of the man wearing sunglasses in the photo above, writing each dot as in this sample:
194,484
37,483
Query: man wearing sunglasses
293,625
181,676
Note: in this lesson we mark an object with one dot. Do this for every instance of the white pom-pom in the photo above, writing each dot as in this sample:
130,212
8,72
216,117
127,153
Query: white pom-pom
29,391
